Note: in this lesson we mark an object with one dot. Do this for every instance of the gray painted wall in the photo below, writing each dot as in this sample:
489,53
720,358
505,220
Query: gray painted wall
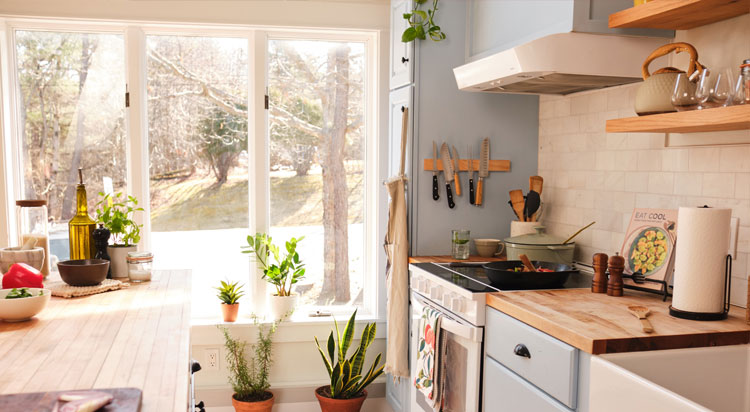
443,113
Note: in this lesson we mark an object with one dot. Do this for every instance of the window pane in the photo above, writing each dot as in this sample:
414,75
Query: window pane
197,111
71,112
317,162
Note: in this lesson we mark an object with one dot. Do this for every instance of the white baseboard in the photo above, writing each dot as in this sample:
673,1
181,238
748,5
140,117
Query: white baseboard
371,405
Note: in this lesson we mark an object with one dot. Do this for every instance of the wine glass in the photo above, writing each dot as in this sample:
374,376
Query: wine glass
703,90
683,95
722,91
741,91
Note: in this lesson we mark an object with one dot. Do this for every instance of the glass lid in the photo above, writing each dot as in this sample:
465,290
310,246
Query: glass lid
540,238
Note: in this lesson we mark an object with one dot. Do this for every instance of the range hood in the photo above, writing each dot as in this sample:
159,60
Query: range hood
560,63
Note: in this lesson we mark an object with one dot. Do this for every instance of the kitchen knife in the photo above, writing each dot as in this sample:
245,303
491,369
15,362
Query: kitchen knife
484,169
471,174
435,191
456,169
448,173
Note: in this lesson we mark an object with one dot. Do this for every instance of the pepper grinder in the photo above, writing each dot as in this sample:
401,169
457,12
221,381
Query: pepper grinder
101,240
616,266
599,282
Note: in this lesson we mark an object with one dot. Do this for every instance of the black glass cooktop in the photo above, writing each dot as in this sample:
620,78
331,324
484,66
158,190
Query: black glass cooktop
473,276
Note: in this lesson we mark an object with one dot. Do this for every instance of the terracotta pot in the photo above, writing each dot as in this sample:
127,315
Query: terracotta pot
262,406
339,405
230,311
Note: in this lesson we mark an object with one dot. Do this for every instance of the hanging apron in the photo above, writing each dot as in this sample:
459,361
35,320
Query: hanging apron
397,270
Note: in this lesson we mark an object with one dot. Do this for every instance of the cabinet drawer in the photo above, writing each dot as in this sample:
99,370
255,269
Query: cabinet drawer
551,365
506,391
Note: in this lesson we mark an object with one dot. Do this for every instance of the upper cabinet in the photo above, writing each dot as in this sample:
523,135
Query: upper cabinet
402,54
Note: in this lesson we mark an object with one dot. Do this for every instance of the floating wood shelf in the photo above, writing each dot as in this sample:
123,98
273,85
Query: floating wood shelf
707,120
463,165
678,14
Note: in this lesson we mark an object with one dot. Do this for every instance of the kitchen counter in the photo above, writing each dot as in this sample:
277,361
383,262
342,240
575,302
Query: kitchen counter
134,337
449,259
597,323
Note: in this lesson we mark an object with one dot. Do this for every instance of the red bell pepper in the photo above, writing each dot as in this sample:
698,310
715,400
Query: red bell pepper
21,275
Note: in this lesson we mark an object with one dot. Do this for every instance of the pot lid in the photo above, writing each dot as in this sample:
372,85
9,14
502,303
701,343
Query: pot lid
540,238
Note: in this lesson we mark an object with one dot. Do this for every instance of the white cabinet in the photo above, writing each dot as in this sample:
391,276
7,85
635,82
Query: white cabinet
402,54
504,391
399,100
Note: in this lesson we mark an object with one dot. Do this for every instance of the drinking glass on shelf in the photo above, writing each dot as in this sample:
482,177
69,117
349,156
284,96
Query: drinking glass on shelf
741,89
704,89
722,90
460,244
683,95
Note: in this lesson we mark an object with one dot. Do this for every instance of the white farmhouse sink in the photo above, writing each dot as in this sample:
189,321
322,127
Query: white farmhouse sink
697,379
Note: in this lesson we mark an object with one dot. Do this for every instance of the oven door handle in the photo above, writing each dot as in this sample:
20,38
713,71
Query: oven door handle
471,333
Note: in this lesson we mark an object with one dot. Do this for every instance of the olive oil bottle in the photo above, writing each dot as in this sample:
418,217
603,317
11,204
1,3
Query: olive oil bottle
82,226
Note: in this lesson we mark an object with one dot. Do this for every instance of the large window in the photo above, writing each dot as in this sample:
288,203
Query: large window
199,149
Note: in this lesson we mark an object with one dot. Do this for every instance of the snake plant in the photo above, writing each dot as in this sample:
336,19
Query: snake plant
347,379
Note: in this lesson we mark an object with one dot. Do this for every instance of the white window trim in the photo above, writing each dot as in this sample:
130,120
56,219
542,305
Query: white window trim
134,34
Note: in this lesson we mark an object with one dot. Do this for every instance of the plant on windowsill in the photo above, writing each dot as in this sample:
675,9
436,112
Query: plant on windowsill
249,376
422,23
347,393
283,274
229,295
117,215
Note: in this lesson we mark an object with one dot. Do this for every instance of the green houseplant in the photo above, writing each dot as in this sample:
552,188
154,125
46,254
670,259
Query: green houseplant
229,295
116,213
422,23
346,392
249,375
284,272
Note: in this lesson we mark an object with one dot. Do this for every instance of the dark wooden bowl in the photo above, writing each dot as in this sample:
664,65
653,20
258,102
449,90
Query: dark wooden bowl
85,272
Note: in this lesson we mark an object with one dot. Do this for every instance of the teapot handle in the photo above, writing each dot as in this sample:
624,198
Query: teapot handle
668,48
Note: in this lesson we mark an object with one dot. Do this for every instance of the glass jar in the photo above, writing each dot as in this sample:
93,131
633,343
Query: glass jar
32,223
742,86
139,266
460,244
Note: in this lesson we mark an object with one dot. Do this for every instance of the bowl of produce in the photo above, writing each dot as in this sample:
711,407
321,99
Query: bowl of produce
83,272
510,274
20,304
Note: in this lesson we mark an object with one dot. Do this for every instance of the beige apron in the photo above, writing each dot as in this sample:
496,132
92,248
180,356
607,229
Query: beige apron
397,271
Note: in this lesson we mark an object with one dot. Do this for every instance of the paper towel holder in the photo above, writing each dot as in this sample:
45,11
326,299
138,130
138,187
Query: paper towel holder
684,314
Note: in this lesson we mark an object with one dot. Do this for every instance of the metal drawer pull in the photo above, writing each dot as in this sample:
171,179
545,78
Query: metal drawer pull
404,60
522,350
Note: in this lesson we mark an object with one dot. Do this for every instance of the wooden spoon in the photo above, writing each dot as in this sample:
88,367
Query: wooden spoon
641,312
529,267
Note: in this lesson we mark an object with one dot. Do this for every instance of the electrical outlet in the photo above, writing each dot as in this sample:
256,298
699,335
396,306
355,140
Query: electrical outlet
212,359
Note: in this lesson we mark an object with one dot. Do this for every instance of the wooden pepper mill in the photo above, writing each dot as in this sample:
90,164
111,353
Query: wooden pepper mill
599,283
616,266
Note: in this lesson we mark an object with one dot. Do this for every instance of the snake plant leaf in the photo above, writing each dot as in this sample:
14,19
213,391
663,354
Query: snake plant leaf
325,360
331,347
346,372
349,387
335,375
338,338
338,387
348,336
372,374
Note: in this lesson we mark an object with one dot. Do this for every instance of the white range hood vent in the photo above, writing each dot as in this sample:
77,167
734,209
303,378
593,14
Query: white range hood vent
560,63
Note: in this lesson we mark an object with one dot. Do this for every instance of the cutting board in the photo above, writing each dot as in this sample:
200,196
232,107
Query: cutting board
126,400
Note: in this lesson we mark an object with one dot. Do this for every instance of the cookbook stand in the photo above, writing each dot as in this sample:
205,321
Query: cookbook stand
662,289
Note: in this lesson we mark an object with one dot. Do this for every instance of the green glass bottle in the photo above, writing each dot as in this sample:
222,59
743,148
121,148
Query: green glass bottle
82,226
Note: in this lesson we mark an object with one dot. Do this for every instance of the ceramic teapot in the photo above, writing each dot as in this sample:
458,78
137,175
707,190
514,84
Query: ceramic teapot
655,93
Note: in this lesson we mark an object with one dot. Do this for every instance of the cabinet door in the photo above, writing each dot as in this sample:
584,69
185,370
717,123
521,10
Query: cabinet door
402,54
399,99
397,393
505,391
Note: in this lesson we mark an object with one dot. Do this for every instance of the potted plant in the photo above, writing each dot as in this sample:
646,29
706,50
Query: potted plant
347,393
229,295
117,216
249,376
285,272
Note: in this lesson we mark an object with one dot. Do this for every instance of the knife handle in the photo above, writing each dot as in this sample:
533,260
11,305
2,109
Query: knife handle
435,190
471,191
457,184
478,200
451,204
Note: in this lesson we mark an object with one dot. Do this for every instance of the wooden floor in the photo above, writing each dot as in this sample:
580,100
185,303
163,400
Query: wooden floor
135,337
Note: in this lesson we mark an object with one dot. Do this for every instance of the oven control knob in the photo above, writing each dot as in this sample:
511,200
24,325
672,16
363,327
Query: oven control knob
436,293
457,304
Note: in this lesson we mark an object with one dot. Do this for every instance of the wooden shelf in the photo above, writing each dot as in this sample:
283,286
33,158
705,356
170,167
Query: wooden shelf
678,14
707,120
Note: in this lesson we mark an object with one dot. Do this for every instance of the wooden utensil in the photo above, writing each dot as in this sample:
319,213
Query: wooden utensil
641,312
531,205
578,232
536,183
517,202
528,266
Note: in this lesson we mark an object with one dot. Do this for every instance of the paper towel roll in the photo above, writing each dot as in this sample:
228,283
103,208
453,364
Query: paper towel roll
700,258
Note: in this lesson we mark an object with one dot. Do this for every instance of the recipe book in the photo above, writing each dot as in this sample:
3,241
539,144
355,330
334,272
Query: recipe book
648,248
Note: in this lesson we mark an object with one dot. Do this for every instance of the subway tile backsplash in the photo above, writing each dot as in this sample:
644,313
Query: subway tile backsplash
592,175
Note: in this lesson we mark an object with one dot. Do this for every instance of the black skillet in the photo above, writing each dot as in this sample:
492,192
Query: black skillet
502,275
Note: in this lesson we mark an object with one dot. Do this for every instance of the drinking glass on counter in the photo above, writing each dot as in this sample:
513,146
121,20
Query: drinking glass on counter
460,244
684,96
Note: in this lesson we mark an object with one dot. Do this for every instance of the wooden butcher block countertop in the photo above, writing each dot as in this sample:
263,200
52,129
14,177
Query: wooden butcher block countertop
134,337
597,323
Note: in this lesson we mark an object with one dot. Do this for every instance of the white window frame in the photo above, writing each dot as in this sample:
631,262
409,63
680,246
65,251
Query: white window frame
134,34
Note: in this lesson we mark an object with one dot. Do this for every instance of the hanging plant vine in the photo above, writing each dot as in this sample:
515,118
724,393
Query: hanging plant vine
422,24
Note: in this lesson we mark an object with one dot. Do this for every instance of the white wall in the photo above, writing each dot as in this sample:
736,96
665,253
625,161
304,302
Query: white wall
593,175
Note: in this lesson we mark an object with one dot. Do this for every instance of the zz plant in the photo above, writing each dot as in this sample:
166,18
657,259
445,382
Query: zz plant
286,271
422,23
347,379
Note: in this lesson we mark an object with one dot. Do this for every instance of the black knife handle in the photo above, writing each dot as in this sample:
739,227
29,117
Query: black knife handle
471,191
450,196
435,190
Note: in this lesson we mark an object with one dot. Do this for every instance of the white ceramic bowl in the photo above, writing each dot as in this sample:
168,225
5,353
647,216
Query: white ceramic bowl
21,309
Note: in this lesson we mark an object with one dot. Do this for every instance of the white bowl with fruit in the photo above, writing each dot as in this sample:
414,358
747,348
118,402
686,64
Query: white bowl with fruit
20,304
